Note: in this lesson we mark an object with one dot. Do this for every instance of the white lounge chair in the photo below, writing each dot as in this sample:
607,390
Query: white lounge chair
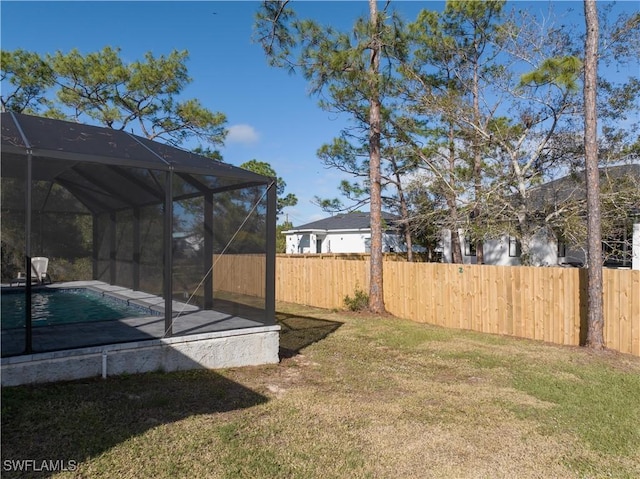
39,265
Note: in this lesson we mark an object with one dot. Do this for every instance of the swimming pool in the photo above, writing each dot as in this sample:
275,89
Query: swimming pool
63,306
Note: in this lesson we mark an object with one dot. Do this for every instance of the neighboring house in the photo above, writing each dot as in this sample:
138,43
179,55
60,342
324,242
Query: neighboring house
505,250
187,244
343,233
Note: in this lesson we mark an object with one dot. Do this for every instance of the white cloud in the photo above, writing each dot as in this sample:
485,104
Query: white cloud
245,134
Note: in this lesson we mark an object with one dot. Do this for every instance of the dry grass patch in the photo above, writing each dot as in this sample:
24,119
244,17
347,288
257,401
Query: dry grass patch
355,396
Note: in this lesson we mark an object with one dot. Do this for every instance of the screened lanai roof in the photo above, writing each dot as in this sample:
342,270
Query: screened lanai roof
111,170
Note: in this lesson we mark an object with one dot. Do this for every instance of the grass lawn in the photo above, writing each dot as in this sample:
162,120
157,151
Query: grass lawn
355,396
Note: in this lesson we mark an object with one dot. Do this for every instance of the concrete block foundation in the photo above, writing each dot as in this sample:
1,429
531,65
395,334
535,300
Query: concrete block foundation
216,350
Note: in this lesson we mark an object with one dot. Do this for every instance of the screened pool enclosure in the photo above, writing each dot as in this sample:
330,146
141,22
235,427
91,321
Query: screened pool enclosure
127,212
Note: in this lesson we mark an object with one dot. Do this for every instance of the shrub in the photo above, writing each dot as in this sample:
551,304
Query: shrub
359,302
62,269
11,262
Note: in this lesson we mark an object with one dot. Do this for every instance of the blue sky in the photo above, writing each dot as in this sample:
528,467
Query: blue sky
270,115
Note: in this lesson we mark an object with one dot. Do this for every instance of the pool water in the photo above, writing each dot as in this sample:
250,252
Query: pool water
63,306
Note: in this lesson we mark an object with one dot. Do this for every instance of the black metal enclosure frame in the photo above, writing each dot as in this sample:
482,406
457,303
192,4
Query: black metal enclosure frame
126,183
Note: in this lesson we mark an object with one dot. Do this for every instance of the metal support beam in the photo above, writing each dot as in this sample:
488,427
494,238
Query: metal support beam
95,246
28,339
136,249
168,254
208,251
112,247
28,184
270,279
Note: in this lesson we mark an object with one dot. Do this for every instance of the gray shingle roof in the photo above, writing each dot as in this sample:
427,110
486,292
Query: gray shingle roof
347,221
572,187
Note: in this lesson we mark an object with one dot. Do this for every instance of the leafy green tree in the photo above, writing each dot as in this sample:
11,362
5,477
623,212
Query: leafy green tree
283,201
498,127
208,152
476,24
265,169
451,65
99,87
345,67
396,164
555,108
281,239
616,104
486,135
26,78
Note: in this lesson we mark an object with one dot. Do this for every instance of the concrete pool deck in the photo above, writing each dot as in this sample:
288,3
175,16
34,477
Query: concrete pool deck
201,338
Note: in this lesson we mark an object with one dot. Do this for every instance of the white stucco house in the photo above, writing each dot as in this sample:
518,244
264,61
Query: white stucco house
343,233
505,251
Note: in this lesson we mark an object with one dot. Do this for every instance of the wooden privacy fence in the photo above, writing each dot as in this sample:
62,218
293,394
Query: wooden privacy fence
547,304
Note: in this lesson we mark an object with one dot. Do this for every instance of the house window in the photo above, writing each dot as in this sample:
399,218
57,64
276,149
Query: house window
617,247
469,247
515,248
562,249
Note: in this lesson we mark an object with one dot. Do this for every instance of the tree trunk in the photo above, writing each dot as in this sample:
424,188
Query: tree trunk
477,158
525,233
527,258
595,317
456,247
376,294
404,213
